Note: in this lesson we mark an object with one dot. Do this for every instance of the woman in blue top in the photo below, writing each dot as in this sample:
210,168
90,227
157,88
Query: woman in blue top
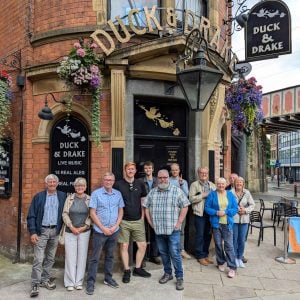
221,206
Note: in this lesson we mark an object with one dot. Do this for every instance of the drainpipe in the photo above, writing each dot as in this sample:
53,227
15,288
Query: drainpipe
20,84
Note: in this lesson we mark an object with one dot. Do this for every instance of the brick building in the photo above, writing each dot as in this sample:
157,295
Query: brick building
143,113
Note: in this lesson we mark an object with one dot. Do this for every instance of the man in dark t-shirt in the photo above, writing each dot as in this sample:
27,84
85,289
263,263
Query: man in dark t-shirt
132,226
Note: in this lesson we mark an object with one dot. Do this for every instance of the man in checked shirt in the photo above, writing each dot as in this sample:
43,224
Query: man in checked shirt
166,207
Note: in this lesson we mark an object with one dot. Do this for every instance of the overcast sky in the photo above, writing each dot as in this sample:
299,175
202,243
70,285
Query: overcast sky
281,72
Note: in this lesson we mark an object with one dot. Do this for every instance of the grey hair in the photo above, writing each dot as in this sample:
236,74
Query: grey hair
80,181
221,179
109,174
51,177
164,171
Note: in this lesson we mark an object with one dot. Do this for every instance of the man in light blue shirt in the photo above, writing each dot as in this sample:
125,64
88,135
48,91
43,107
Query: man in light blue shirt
106,211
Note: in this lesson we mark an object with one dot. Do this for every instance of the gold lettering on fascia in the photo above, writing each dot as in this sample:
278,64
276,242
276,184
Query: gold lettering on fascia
191,21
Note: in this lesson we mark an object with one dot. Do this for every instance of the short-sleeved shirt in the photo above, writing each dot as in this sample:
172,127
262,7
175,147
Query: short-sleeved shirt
107,207
132,194
165,207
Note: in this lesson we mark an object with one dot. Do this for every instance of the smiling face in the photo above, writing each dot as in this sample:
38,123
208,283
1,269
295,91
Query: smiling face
108,182
80,189
203,174
239,184
175,170
221,185
51,185
148,169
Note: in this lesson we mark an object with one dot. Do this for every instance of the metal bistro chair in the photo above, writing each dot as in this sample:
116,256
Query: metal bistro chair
256,221
263,208
279,209
289,211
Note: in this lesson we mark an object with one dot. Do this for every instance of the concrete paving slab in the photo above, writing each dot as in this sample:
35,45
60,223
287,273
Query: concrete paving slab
198,291
290,286
232,292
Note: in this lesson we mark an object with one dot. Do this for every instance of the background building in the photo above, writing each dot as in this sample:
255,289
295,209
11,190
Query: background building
143,113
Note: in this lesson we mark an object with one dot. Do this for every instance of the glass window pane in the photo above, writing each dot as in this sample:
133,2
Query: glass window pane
124,6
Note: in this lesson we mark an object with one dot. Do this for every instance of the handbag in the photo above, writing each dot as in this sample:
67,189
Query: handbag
61,237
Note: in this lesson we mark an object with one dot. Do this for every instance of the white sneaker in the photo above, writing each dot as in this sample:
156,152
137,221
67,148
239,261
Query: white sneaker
78,287
237,262
241,264
231,273
221,268
70,288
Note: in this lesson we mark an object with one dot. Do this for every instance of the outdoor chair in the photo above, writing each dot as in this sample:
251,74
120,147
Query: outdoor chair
279,208
289,211
256,221
263,208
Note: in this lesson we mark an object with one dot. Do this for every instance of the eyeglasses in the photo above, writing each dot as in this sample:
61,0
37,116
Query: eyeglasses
163,177
131,188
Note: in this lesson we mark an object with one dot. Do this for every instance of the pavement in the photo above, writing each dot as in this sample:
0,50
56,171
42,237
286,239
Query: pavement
263,277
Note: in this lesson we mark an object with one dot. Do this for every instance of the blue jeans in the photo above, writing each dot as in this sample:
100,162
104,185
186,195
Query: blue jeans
239,239
169,249
108,243
202,236
44,255
223,233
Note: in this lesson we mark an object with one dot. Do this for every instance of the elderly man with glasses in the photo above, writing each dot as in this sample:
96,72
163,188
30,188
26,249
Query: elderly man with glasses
198,193
166,208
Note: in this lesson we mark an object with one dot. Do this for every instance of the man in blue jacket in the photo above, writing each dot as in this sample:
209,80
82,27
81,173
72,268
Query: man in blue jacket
44,222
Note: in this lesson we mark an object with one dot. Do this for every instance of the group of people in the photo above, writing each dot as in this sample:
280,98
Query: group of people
151,210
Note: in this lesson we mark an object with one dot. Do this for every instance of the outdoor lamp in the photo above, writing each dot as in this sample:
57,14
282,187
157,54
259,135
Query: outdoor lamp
197,83
46,113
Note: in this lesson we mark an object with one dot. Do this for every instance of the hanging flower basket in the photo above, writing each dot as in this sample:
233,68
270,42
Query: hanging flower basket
80,70
5,97
243,100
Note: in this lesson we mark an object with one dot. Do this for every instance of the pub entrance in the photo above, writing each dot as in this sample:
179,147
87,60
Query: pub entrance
160,134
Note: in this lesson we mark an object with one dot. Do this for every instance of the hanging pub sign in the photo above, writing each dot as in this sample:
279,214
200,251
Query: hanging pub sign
268,31
5,168
70,155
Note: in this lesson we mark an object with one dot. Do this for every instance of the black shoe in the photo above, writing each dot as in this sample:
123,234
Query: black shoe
89,289
126,276
111,282
179,284
34,290
244,260
140,272
156,260
165,278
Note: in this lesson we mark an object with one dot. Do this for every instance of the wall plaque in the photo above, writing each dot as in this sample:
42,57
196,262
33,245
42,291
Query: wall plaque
5,168
70,153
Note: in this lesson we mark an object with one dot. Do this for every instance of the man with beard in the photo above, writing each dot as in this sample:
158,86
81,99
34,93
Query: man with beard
166,208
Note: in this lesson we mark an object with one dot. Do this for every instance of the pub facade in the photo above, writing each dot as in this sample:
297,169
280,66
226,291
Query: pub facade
143,113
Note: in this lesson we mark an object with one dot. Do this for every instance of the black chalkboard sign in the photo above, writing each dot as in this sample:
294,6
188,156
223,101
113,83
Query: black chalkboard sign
70,153
5,168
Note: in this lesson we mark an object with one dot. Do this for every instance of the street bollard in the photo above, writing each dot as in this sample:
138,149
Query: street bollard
295,190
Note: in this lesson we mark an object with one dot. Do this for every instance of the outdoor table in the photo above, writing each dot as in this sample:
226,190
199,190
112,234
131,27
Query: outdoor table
290,201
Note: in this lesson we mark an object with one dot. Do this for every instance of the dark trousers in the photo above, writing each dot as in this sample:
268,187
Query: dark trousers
203,236
108,244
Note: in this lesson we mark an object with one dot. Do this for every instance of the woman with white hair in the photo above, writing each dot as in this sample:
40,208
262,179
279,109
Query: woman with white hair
241,219
77,219
221,206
